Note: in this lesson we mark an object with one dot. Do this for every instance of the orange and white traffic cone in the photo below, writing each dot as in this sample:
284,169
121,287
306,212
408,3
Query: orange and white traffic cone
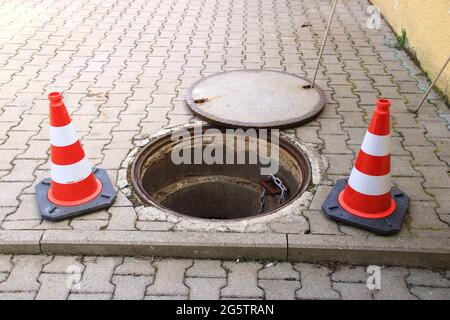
366,199
75,187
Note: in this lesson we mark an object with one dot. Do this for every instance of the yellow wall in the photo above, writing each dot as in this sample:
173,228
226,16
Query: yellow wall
427,25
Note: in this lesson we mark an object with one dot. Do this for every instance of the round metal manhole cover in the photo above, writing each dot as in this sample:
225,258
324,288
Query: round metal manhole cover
167,175
256,99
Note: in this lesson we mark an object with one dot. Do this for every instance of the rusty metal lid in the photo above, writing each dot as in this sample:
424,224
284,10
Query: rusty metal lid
256,99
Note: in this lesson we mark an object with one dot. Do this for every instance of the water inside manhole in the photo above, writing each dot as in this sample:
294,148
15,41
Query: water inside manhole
176,174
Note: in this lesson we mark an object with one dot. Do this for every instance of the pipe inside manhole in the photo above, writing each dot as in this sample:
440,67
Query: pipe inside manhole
174,172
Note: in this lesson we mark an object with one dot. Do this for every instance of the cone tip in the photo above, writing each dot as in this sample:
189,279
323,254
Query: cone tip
54,96
383,104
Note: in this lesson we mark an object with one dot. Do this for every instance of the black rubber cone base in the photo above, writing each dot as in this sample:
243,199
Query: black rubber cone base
385,226
54,212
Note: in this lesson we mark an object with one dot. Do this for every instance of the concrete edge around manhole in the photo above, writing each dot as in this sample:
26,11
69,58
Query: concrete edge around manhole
255,224
411,252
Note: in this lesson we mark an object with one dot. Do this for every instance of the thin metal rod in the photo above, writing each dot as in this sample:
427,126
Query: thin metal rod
324,41
430,87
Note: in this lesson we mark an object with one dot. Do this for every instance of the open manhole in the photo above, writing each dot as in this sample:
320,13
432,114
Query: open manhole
212,173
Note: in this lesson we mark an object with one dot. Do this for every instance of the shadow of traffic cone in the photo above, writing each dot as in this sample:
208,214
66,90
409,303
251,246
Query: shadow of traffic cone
366,199
75,188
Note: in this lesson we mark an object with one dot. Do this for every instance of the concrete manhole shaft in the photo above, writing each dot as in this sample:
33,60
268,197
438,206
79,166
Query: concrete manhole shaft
175,172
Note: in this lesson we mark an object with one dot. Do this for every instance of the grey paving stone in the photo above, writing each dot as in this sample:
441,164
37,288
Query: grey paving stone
316,282
17,295
53,287
205,288
25,273
242,280
206,269
426,293
353,291
3,276
136,266
5,263
90,296
320,224
169,278
166,298
279,289
130,287
63,264
427,278
350,274
122,218
424,216
97,275
393,285
278,271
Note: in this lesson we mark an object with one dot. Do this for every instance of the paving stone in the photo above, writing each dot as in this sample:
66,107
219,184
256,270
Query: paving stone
336,144
352,291
279,289
308,134
10,193
435,177
169,278
291,224
135,266
320,224
89,224
97,275
53,287
423,216
412,186
23,170
25,273
17,295
130,287
350,274
393,285
3,276
319,197
278,271
90,296
122,218
427,278
166,298
425,293
242,280
5,263
316,282
206,269
63,264
27,209
154,226
424,155
205,288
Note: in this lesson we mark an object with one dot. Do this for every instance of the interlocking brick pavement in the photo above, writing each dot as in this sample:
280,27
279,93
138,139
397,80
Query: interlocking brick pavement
63,277
124,67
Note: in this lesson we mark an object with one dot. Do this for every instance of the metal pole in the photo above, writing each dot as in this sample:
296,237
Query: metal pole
430,87
323,42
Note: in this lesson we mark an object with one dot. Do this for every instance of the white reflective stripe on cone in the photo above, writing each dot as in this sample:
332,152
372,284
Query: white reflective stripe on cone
369,185
72,172
63,136
376,145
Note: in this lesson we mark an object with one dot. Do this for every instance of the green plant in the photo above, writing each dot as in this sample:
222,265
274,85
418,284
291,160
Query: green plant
402,39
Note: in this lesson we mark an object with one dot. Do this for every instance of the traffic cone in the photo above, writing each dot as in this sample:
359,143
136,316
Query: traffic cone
75,188
366,199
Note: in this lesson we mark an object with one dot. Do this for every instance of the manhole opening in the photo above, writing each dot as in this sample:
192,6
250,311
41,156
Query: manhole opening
212,173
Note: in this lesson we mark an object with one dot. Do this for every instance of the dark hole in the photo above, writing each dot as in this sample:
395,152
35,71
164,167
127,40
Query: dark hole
215,191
